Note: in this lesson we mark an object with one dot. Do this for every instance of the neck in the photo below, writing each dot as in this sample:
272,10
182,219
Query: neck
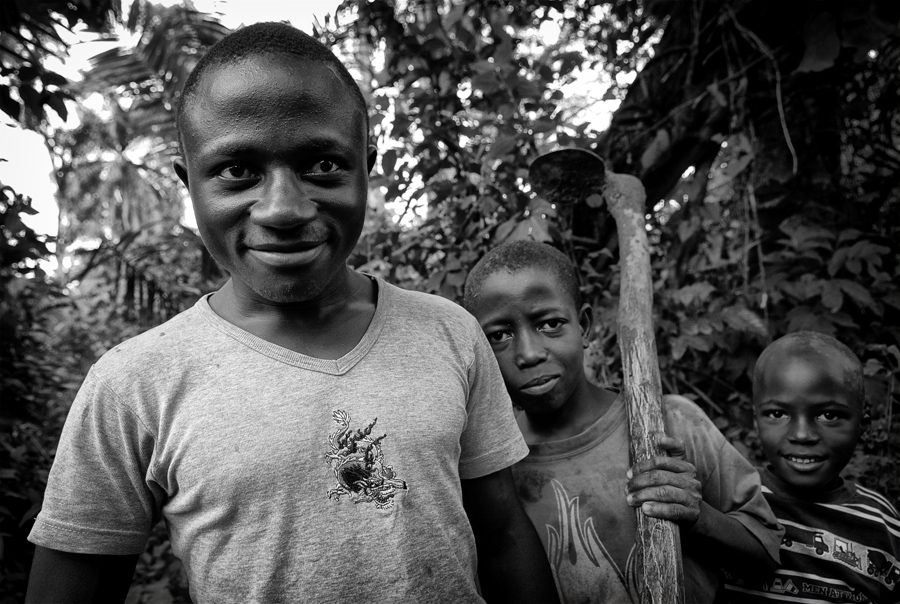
824,493
326,327
586,405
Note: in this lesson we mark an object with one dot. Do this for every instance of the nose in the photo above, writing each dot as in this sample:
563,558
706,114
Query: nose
529,350
803,430
285,202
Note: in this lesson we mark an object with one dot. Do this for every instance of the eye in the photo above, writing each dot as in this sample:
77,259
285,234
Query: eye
830,416
498,337
236,172
551,325
326,166
774,414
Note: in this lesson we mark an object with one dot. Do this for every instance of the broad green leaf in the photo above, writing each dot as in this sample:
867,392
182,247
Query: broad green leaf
802,318
504,230
32,100
699,342
679,347
9,105
892,299
873,367
859,294
28,73
847,235
56,102
698,292
486,82
503,145
531,228
806,237
832,298
742,318
455,278
543,126
659,145
389,162
433,283
837,261
454,15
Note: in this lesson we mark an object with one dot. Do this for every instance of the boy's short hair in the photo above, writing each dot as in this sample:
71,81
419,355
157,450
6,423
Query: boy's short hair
520,255
811,344
262,38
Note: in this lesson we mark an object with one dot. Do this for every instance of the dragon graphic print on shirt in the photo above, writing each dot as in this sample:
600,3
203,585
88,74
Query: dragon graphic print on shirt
358,464
581,565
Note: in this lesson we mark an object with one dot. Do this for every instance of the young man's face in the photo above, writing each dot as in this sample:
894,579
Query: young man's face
808,419
276,164
537,335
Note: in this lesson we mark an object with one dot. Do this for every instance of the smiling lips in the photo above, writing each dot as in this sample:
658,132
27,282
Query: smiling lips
539,385
804,463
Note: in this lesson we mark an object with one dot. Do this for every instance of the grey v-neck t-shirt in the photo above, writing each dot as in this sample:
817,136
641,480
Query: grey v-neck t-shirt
282,477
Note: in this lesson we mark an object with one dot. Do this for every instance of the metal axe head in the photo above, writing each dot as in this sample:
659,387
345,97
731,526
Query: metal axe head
567,176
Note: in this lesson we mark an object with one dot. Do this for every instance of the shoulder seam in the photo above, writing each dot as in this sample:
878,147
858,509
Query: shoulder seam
103,383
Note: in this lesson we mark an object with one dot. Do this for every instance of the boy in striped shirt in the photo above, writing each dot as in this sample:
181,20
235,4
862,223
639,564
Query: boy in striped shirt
842,541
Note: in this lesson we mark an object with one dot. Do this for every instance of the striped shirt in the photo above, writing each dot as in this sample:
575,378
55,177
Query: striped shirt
842,548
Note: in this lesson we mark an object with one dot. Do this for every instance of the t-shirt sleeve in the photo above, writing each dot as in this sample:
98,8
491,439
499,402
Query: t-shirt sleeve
99,498
730,483
491,440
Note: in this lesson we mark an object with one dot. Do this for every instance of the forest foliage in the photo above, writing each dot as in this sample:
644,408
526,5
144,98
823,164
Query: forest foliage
766,137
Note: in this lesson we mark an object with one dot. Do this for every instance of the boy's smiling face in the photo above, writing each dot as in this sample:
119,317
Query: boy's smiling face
276,164
808,418
537,335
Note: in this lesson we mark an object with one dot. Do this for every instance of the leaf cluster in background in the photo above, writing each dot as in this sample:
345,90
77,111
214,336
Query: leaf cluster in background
29,33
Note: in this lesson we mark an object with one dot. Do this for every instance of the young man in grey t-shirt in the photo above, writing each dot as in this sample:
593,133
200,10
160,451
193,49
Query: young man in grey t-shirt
307,433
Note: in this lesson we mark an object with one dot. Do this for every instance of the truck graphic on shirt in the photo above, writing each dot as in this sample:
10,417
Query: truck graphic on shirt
811,539
880,566
843,551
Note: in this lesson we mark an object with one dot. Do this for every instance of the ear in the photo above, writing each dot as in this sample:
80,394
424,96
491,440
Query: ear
181,170
586,321
372,155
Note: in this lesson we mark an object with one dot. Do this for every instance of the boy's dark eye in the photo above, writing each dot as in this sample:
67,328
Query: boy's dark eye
326,166
774,414
551,324
498,337
830,416
236,172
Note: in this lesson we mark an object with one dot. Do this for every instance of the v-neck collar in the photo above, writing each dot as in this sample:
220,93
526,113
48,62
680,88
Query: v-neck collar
337,366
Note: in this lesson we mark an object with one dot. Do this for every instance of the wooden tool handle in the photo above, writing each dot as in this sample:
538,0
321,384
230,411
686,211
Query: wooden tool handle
660,547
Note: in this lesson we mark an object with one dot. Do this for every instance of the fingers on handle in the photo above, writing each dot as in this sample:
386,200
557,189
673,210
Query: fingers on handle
673,446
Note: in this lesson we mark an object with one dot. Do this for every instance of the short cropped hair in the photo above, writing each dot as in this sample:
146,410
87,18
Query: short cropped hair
812,345
263,38
520,255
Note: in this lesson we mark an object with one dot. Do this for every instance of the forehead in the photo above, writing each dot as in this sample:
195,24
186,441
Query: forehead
269,90
532,288
788,376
